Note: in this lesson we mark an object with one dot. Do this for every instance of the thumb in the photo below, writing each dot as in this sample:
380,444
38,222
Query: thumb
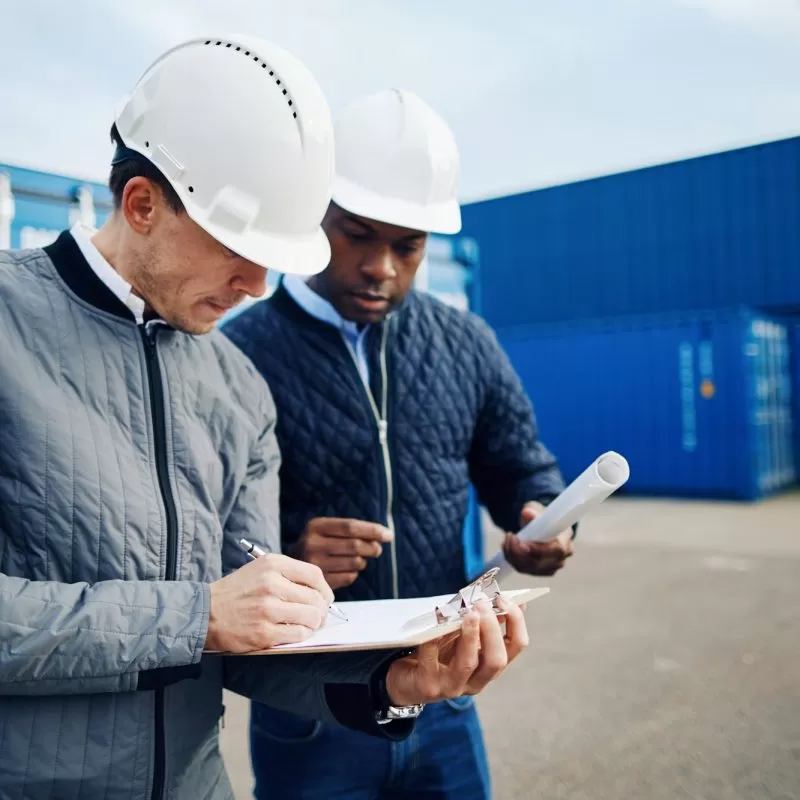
511,544
529,512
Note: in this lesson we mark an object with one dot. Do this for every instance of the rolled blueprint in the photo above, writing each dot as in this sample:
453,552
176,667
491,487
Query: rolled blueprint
600,480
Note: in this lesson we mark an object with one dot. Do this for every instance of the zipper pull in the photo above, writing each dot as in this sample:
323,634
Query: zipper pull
383,427
149,335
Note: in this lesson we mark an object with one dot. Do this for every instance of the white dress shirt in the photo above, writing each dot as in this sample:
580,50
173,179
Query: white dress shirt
82,235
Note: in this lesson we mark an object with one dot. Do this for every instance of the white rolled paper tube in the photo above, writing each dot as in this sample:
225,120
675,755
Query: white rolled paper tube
600,480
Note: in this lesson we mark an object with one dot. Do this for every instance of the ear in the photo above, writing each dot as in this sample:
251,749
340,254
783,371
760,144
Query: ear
141,204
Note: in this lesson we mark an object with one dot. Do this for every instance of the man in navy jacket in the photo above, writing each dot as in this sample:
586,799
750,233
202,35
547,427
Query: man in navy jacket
390,404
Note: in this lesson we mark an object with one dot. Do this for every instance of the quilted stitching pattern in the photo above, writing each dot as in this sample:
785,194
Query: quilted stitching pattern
79,502
456,412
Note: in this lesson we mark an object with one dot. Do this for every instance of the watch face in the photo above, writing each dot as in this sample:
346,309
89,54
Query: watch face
404,712
399,712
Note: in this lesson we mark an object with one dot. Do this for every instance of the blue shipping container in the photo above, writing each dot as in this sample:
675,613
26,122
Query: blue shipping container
698,404
794,327
450,271
718,231
36,206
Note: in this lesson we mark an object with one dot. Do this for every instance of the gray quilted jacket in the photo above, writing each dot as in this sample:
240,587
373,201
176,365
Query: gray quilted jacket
131,460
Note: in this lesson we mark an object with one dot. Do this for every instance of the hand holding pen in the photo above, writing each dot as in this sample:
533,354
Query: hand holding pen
254,551
272,600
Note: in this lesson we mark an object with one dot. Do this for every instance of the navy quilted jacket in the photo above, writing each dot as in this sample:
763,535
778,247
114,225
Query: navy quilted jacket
446,408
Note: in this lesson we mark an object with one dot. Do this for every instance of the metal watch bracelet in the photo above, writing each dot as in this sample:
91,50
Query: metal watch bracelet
393,713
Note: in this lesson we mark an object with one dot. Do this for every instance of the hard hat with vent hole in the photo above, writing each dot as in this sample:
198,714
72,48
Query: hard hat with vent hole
241,130
397,162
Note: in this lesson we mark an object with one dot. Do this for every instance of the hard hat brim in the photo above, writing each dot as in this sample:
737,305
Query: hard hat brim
303,255
444,218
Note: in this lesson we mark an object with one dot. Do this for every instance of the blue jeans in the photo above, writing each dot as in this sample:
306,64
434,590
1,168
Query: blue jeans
298,759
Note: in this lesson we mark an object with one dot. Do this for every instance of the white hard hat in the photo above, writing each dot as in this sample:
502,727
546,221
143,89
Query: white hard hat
397,162
241,130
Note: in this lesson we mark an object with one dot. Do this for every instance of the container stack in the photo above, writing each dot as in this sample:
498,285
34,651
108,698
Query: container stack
657,312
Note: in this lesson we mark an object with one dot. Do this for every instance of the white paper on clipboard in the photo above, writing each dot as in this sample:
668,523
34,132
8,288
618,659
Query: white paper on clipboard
405,623
382,624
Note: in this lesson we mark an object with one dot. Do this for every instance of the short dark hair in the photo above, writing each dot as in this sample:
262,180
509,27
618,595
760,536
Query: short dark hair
138,168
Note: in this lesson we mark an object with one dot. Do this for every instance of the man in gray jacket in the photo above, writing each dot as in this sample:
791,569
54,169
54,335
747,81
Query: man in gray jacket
135,452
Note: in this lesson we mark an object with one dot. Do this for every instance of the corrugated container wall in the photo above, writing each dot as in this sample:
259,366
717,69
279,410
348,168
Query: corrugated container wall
36,206
697,404
795,389
716,231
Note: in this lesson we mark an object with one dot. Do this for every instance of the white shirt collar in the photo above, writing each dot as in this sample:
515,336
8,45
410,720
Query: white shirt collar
318,307
82,234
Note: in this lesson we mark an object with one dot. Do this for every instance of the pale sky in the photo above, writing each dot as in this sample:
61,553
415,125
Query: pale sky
536,92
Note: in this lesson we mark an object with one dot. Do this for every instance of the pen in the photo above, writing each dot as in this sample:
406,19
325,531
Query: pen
254,551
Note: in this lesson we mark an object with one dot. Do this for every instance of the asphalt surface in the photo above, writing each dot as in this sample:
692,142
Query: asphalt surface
664,664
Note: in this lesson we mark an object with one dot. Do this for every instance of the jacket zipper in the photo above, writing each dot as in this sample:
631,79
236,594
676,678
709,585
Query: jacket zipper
162,470
381,420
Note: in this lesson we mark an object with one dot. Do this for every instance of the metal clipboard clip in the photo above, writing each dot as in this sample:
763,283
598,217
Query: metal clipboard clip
483,588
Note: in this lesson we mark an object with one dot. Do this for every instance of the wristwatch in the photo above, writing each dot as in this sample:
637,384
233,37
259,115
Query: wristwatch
393,713
385,711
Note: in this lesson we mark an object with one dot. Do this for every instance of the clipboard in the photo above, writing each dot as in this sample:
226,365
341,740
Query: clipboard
403,624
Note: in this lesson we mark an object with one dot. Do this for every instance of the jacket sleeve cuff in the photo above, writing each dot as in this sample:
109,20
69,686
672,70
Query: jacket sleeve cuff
160,677
354,706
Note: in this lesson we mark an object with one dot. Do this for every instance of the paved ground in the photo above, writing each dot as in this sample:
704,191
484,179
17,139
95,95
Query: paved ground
665,663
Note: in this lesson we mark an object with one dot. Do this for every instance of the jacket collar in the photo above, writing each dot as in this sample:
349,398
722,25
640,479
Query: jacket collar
318,306
75,271
288,307
283,302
